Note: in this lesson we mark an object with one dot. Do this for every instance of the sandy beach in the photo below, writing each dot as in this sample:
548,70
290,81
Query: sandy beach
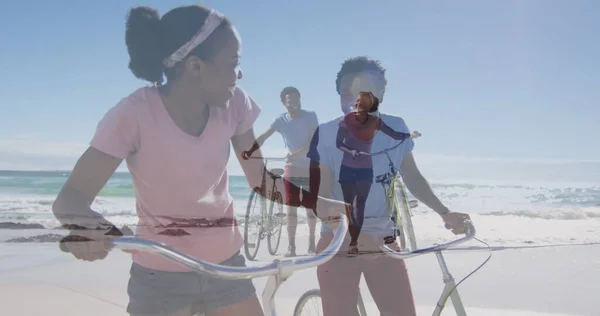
37,279
148,112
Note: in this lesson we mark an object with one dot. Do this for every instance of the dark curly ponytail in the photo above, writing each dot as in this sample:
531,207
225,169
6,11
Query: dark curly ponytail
144,44
150,39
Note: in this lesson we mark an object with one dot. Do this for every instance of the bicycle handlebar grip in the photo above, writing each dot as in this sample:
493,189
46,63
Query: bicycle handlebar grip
468,235
470,226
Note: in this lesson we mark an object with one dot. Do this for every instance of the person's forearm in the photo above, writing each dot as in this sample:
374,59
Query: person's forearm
255,146
400,135
259,142
311,198
339,140
418,186
392,133
317,194
300,152
71,209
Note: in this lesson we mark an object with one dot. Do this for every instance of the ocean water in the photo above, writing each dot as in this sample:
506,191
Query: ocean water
504,213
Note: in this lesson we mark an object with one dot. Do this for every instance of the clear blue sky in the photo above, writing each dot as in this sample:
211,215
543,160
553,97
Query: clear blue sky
508,79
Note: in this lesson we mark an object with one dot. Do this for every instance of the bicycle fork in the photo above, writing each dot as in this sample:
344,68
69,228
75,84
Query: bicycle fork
450,290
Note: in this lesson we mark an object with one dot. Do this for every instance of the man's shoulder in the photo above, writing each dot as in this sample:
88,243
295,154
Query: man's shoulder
328,126
309,115
391,118
305,111
327,132
280,118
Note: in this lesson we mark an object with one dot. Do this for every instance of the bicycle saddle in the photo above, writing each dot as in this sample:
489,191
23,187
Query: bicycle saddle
276,173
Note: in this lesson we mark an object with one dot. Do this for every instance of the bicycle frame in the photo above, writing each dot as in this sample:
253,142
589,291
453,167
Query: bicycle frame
263,183
389,181
268,192
450,285
449,288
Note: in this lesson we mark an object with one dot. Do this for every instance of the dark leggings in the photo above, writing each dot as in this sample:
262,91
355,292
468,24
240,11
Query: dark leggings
358,190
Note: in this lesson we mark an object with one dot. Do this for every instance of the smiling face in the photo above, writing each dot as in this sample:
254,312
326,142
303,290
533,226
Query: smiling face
364,103
292,102
353,83
215,79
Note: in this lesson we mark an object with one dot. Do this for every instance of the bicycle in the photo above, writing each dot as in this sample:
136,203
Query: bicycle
274,222
278,271
399,209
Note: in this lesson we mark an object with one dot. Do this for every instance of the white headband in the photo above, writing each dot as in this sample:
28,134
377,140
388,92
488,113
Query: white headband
213,20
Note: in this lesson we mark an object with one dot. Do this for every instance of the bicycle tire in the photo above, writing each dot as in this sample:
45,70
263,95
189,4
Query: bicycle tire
399,222
251,255
314,293
317,293
273,222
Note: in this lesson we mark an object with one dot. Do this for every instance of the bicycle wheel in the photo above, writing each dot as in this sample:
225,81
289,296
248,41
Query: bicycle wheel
309,304
253,225
275,224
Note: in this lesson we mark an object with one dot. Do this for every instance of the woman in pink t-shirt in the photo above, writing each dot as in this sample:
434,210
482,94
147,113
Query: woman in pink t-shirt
175,139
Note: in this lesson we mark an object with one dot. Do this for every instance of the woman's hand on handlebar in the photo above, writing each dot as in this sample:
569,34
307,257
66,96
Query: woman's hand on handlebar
415,134
247,154
91,244
456,222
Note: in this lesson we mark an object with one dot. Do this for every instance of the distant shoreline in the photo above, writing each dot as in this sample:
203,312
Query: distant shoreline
47,171
119,172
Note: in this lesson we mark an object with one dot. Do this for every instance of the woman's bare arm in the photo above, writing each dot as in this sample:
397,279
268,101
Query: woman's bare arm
342,134
73,203
392,133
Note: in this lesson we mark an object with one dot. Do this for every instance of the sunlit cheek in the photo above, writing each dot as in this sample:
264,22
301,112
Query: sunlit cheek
347,103
232,75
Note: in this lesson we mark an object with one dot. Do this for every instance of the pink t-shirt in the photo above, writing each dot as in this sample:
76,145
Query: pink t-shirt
177,175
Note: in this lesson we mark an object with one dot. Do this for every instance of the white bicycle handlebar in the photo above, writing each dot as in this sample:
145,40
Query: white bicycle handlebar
278,270
228,272
435,248
269,158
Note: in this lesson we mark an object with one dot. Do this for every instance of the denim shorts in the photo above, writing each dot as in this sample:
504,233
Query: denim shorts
161,293
349,174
